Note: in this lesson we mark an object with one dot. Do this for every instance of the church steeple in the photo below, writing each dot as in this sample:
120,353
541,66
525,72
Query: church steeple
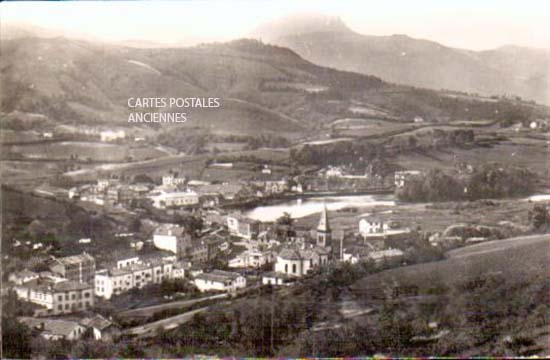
324,233
324,226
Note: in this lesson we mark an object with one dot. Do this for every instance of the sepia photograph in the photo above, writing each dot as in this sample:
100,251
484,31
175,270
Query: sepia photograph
293,179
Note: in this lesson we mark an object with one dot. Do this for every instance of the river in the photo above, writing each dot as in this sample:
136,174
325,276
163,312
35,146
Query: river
304,207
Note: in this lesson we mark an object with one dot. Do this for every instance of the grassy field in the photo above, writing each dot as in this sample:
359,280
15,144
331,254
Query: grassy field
531,153
520,258
429,218
95,151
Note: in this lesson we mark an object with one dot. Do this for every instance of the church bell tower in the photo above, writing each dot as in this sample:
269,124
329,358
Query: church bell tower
324,233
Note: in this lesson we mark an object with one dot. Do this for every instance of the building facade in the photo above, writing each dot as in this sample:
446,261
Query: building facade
219,280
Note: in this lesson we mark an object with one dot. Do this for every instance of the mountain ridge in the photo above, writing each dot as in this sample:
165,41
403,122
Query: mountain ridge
506,70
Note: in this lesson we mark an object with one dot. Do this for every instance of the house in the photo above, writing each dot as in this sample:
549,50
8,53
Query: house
173,238
23,276
115,281
221,165
401,177
355,254
252,258
334,171
102,185
171,180
243,227
102,328
79,268
197,252
125,259
63,297
179,269
372,226
163,199
54,329
220,281
387,254
227,191
376,227
111,135
275,278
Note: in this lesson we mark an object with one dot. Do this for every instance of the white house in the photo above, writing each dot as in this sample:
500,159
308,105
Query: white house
171,180
274,278
401,177
220,281
372,225
375,226
243,227
169,237
163,199
112,135
113,282
251,258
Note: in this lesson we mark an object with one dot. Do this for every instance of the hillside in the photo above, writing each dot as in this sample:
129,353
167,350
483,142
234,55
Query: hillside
401,59
261,87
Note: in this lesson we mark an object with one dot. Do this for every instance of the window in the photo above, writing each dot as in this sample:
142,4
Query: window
294,268
66,296
60,297
87,295
66,306
286,268
60,307
73,296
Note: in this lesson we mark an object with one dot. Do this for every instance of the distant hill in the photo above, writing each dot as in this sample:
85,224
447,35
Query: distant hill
261,87
327,41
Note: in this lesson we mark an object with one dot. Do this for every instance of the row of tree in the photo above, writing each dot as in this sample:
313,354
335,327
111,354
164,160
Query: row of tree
490,181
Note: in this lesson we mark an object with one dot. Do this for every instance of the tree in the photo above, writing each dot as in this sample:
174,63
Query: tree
285,219
15,339
539,218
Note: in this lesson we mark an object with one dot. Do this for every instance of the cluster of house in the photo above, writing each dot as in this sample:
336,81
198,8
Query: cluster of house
72,283
376,231
109,191
66,288
135,272
179,192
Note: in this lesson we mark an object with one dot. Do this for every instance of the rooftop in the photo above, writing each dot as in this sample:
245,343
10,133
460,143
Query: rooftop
53,326
218,276
97,321
75,259
169,230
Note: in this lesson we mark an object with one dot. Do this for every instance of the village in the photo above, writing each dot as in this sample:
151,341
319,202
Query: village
228,253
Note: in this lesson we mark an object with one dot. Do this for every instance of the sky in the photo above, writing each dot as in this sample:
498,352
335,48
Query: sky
469,24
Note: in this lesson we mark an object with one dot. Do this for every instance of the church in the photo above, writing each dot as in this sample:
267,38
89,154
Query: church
298,261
